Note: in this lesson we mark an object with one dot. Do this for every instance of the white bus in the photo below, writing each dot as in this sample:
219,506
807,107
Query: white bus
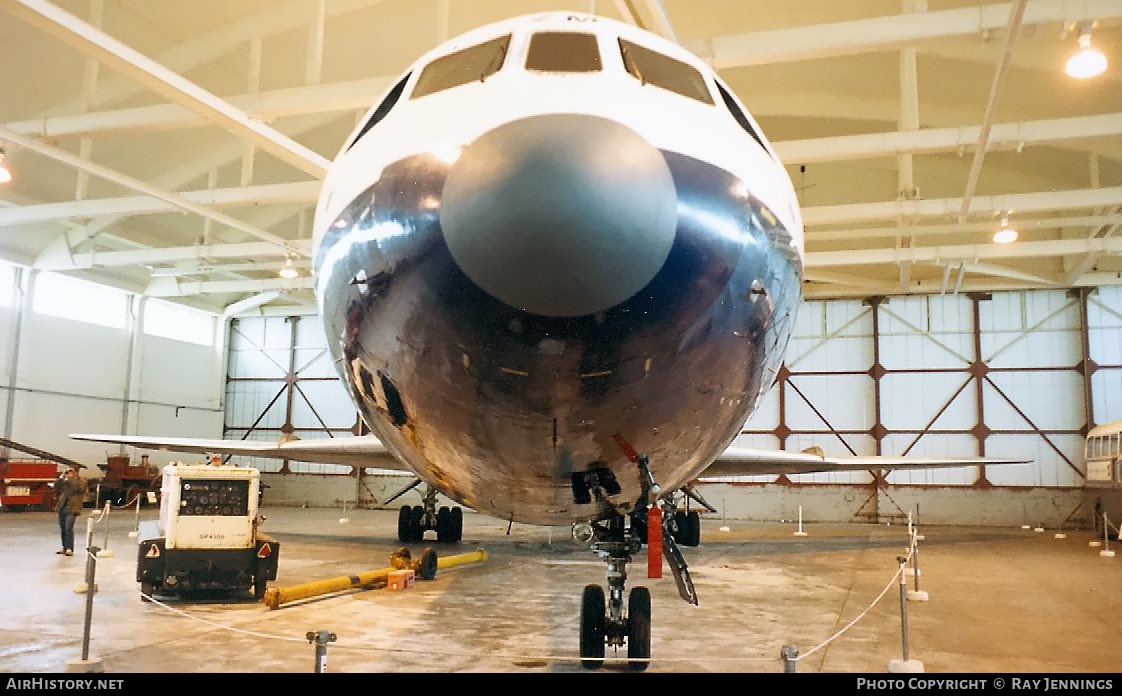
1103,454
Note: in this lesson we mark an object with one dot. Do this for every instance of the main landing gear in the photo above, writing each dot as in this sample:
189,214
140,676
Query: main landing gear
603,620
414,520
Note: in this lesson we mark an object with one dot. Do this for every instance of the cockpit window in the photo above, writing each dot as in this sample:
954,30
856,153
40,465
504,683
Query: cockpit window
383,109
653,68
467,65
738,114
563,51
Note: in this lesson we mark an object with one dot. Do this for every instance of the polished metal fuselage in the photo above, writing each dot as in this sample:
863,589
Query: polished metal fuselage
502,327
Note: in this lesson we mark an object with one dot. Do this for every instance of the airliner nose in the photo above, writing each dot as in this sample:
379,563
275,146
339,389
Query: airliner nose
560,215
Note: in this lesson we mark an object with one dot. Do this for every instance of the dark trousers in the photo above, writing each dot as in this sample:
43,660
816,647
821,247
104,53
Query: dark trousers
66,520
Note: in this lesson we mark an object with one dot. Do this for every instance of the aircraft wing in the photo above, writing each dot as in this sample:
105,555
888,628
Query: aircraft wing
359,451
746,461
368,451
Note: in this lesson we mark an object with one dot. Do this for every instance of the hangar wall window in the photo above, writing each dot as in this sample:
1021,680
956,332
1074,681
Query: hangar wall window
61,296
7,285
382,110
653,68
563,51
741,118
464,66
179,323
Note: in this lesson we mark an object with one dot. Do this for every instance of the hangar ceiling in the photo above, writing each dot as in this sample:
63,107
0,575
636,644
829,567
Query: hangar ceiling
175,149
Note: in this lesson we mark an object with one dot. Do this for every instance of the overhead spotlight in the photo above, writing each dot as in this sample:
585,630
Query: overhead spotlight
5,173
289,271
1005,234
1088,61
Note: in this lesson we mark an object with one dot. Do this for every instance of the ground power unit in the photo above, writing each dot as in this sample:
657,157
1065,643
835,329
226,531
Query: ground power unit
208,535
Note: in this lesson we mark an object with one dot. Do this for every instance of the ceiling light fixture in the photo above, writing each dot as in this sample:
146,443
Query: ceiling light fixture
5,173
1089,61
289,271
1005,234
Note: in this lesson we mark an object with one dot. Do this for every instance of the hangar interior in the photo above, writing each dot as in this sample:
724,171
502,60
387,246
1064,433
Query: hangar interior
155,256
911,132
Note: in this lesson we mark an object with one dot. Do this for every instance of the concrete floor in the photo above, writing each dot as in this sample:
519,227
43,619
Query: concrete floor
1006,600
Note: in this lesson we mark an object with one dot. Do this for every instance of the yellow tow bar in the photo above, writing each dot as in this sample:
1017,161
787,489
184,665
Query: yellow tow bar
425,567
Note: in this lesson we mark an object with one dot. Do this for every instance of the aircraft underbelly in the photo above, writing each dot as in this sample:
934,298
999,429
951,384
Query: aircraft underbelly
499,407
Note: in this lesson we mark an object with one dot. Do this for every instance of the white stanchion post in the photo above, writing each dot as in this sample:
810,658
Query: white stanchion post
104,551
800,532
136,523
320,639
905,665
916,595
911,543
89,587
1106,552
789,654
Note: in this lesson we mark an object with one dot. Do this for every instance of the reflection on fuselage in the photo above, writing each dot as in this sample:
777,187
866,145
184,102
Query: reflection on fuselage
503,317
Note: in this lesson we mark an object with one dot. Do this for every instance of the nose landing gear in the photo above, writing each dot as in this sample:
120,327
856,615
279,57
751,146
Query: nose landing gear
603,621
602,618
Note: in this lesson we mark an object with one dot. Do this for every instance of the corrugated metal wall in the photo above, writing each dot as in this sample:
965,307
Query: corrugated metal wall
280,382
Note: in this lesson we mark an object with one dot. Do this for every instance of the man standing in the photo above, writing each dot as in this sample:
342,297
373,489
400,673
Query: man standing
71,496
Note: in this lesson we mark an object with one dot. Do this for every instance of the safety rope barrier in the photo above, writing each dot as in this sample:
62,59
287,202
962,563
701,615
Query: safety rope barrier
320,640
392,645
